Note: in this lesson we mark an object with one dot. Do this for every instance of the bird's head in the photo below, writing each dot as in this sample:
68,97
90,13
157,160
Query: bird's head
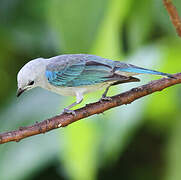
29,75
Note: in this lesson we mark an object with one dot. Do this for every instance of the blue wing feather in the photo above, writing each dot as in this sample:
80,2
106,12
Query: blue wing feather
78,74
81,70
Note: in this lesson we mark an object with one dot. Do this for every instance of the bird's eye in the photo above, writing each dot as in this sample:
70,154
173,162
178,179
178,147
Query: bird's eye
30,83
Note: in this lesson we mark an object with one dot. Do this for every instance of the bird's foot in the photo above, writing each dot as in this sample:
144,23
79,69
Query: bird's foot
68,111
105,98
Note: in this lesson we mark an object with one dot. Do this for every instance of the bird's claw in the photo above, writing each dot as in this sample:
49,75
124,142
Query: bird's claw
105,98
68,111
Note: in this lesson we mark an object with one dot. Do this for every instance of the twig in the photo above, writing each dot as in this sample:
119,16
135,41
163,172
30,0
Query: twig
89,110
174,16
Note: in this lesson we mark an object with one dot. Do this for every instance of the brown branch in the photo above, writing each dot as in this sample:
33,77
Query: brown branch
174,16
89,110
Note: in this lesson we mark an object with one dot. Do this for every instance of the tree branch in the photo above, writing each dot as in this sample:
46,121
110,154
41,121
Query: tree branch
174,16
89,110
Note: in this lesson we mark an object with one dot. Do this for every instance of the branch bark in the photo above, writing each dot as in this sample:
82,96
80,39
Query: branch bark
89,110
174,16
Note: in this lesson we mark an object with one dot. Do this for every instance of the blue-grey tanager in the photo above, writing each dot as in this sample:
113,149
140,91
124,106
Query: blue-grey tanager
77,74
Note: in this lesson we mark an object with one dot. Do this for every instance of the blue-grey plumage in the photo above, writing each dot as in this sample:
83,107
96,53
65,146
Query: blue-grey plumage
77,74
82,69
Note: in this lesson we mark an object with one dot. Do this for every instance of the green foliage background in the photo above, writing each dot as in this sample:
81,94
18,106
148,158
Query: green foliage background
137,141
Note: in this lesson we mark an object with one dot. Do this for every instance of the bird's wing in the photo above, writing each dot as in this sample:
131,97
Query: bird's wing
72,72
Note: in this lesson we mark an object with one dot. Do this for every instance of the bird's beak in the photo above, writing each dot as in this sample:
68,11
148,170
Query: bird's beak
19,92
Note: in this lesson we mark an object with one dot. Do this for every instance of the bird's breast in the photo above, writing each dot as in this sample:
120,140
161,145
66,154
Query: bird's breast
71,91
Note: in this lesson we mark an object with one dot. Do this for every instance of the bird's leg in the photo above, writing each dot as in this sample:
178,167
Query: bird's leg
67,109
104,97
79,98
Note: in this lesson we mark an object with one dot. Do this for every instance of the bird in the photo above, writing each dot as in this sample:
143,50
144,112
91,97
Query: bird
78,74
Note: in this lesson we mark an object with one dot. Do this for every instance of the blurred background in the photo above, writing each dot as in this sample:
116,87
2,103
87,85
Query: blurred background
137,141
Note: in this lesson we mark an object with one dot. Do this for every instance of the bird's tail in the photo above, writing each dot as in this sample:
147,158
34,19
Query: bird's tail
138,70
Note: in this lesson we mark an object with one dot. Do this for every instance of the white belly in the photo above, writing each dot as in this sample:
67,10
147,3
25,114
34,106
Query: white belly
71,91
